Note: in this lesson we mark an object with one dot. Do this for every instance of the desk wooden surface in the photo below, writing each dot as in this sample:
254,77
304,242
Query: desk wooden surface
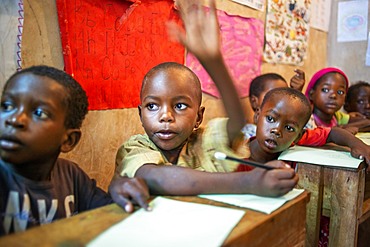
338,193
283,227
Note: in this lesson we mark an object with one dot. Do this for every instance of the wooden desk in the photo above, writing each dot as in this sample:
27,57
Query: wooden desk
283,227
338,193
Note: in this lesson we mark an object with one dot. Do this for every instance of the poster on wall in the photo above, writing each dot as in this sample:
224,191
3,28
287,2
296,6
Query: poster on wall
11,28
109,45
286,31
242,46
320,14
352,20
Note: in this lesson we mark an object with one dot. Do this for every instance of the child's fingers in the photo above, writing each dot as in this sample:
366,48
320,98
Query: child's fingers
299,73
283,186
212,8
278,164
124,203
284,173
175,33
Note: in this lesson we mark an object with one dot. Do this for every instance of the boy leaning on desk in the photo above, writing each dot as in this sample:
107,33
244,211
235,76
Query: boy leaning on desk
175,156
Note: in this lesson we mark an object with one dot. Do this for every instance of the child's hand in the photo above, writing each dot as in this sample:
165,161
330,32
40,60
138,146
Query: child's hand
276,182
126,191
362,151
202,36
298,80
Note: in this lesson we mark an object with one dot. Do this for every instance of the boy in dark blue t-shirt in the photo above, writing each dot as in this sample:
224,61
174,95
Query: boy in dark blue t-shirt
42,109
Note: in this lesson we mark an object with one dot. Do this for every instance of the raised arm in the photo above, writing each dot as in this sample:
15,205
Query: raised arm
202,38
363,125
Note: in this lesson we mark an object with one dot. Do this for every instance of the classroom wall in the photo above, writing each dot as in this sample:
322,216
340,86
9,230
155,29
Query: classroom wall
104,131
349,56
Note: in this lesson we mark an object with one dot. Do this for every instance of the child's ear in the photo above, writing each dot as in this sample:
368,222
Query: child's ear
310,94
199,116
256,115
139,109
72,137
254,102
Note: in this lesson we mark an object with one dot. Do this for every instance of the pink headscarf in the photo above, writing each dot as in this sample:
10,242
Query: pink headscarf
320,74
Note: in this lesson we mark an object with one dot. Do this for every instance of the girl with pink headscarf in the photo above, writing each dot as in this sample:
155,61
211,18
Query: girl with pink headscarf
327,92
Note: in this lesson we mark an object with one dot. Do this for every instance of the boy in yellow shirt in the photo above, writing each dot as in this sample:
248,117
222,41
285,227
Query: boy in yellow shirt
175,156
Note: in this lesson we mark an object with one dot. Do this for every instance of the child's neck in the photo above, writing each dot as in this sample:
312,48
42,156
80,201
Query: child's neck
172,155
257,154
326,118
35,172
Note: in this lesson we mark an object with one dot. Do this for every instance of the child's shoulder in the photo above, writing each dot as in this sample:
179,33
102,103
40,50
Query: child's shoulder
64,166
138,140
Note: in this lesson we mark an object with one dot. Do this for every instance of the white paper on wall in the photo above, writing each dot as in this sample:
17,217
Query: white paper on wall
352,20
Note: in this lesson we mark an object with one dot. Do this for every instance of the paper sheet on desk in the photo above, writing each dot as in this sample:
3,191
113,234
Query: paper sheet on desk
172,223
262,204
364,136
320,156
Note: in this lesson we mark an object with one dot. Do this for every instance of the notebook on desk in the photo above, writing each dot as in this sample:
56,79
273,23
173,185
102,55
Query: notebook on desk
172,223
262,204
364,136
319,156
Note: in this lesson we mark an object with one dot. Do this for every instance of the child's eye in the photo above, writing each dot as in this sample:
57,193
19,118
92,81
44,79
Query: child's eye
41,114
341,92
290,128
360,102
152,107
7,106
325,90
180,106
270,119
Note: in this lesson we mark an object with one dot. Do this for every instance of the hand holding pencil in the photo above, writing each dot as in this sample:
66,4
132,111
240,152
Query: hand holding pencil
275,178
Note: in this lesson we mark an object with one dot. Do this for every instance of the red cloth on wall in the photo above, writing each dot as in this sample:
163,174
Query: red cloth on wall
109,45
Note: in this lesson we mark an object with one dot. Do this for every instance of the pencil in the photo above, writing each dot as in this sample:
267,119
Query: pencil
222,156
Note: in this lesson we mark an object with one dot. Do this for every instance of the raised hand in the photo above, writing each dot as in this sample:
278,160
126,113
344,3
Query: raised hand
202,36
298,80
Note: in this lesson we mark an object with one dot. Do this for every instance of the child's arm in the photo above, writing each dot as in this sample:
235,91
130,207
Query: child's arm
363,125
126,191
298,80
344,138
203,40
174,180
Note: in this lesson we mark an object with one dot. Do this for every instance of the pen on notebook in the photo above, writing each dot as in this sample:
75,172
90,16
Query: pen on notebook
222,156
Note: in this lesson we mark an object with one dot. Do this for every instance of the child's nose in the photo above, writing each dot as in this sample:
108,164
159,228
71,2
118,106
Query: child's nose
276,131
17,120
166,115
333,95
